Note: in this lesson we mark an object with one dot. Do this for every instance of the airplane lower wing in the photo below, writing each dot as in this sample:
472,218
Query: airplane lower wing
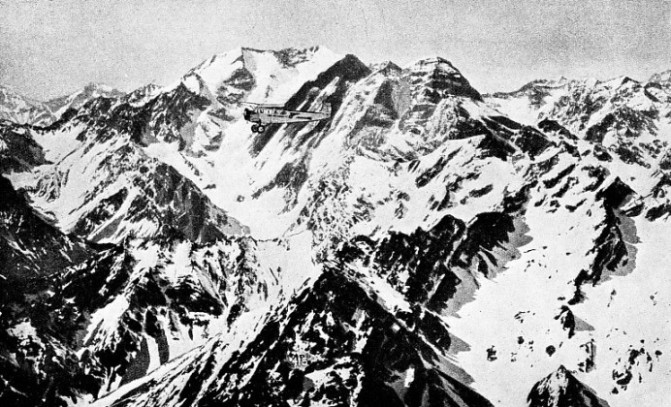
293,117
264,115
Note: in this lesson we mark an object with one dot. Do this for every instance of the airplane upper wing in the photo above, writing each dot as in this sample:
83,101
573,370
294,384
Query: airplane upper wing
264,105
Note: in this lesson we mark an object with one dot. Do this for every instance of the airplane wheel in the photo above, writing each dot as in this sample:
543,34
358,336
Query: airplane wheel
261,128
255,128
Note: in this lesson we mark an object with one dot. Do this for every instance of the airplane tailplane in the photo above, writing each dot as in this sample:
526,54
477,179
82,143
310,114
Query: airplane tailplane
326,109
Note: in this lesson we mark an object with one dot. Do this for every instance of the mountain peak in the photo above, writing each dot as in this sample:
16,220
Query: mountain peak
436,62
443,78
660,77
8,92
291,52
562,389
270,75
21,109
93,86
312,48
288,56
385,67
614,82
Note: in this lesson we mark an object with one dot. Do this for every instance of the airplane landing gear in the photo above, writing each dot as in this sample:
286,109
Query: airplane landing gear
258,128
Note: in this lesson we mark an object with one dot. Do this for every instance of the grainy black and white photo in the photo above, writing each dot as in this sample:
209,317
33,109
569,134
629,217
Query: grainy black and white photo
312,203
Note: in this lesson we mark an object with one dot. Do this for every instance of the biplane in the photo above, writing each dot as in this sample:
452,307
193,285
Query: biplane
263,114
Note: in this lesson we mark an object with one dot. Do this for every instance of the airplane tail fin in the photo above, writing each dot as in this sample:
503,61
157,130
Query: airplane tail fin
326,109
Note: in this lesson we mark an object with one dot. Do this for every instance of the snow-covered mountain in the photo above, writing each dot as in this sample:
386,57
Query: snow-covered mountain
426,245
20,109
75,100
23,110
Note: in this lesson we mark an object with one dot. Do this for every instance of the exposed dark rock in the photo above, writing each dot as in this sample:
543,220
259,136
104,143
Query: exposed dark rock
484,233
28,244
615,194
493,146
567,320
548,125
531,141
552,182
505,121
491,354
658,211
423,254
19,151
291,177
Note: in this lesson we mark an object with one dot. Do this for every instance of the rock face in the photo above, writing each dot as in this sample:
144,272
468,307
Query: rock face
18,152
31,253
425,245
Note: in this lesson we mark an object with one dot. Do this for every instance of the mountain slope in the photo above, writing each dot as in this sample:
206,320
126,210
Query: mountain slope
32,253
332,344
22,110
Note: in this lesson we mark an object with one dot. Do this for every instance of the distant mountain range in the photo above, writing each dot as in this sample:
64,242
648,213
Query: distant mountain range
24,110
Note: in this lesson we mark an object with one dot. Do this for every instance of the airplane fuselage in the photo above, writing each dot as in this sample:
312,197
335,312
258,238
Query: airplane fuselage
267,115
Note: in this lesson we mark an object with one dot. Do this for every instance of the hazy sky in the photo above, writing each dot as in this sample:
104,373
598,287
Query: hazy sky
48,48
